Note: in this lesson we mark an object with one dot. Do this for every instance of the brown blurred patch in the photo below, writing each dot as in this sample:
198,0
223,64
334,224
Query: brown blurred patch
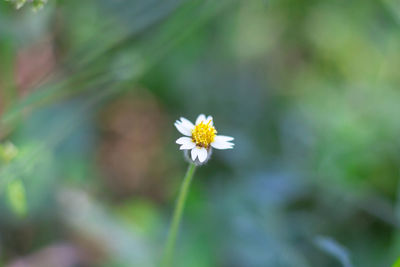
33,64
1,102
132,144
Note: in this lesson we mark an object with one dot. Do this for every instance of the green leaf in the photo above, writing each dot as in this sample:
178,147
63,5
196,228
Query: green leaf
16,197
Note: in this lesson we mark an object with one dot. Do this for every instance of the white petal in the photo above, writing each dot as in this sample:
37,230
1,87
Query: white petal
200,118
194,153
220,144
202,154
223,138
182,129
187,123
210,118
187,146
183,140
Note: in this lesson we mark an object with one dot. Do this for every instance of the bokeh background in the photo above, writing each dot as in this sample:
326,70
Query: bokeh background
89,91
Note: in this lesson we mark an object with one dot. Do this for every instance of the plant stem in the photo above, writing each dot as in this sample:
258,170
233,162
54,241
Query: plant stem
176,219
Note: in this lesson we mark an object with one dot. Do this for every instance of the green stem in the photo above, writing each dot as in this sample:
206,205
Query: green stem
176,219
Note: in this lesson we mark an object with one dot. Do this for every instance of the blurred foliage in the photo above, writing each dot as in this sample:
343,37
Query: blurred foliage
336,250
15,188
36,4
8,152
397,263
89,91
16,196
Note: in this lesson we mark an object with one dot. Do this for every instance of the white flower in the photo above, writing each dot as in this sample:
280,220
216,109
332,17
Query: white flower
201,138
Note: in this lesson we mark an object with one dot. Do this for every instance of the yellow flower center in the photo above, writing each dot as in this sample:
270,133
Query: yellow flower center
203,134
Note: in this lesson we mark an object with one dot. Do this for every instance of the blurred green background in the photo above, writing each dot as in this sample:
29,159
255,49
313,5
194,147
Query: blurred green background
89,168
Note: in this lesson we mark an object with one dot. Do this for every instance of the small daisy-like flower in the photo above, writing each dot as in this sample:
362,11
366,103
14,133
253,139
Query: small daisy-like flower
201,138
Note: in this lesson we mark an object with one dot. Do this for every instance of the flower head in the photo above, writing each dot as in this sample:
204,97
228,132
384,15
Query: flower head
201,138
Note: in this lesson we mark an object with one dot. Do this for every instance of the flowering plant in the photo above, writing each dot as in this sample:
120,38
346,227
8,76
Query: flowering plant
199,139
